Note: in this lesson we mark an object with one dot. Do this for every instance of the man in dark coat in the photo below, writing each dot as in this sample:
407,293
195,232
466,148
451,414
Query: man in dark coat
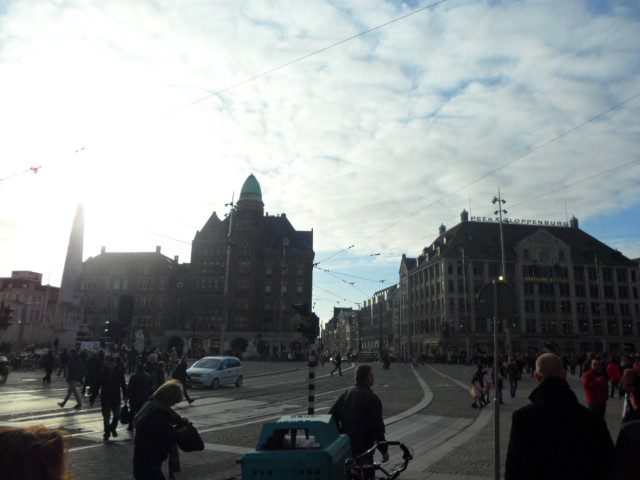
93,372
180,374
338,362
74,378
48,362
358,413
110,383
541,432
626,464
139,390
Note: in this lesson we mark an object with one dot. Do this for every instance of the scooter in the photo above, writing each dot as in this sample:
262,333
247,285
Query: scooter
4,369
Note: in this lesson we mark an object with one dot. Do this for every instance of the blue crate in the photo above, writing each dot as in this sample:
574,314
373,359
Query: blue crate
305,447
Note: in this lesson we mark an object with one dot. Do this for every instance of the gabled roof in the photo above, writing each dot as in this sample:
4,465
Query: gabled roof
275,228
482,239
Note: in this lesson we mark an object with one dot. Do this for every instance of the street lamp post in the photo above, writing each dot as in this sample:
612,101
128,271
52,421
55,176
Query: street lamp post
500,201
225,298
285,242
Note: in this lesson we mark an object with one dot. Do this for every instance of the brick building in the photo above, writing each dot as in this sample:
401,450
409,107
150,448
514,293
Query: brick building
574,293
270,268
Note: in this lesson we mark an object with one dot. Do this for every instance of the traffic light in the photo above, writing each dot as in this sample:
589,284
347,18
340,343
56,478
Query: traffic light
309,325
6,315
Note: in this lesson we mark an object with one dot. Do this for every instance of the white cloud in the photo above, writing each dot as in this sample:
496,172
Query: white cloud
346,142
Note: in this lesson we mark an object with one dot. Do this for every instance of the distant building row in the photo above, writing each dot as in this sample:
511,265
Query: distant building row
574,293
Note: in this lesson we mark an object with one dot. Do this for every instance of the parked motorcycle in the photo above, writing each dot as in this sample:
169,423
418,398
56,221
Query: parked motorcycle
4,369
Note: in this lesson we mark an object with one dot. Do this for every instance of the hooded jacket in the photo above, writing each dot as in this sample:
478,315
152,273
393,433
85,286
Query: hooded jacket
556,437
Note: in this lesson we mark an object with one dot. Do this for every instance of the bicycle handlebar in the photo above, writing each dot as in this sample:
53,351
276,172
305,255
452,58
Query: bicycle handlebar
406,456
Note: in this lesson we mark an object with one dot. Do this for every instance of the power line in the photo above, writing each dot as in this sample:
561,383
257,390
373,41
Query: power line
304,57
503,166
568,185
351,276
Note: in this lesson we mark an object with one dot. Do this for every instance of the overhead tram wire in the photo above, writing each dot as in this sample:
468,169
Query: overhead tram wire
351,276
577,182
308,55
494,171
564,187
333,255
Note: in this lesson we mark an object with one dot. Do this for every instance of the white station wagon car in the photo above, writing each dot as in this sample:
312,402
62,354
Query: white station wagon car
215,371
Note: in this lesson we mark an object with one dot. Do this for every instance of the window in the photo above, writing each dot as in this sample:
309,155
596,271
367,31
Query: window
526,254
635,292
529,306
623,292
528,288
633,275
595,308
530,325
547,306
107,284
561,255
300,269
161,284
607,274
564,289
624,308
146,269
581,307
609,308
578,273
545,289
621,275
160,301
593,291
608,291
299,286
283,286
565,307
580,291
451,287
592,273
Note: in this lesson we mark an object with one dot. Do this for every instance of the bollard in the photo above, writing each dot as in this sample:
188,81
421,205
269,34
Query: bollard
312,378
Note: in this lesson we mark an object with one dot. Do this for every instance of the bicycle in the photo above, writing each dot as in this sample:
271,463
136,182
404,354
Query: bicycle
361,472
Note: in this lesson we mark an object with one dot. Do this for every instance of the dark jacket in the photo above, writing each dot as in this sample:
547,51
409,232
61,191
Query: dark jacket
152,370
556,437
626,463
74,372
358,413
180,373
155,436
93,368
139,389
48,361
109,383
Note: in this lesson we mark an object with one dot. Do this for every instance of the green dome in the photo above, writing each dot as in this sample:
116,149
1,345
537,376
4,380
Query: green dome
251,191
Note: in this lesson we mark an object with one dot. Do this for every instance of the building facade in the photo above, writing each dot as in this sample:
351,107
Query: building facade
37,313
270,267
124,293
573,292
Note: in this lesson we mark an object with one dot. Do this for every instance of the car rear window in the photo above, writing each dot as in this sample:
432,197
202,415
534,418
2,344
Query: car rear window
207,363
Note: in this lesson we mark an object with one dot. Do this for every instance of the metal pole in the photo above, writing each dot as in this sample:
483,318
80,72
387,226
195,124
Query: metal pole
466,313
225,300
503,266
496,403
312,377
284,251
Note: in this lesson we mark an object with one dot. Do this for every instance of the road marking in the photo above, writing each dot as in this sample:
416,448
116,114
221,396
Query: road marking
217,447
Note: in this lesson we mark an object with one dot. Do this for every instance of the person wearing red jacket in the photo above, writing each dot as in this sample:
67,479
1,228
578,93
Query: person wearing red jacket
615,375
595,388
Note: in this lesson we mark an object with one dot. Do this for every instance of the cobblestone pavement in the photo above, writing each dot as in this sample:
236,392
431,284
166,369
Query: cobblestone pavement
475,458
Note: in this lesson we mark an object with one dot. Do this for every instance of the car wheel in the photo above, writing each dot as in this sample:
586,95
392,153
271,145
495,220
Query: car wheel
215,383
239,381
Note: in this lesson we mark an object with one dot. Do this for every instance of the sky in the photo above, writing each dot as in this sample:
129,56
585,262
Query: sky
373,143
